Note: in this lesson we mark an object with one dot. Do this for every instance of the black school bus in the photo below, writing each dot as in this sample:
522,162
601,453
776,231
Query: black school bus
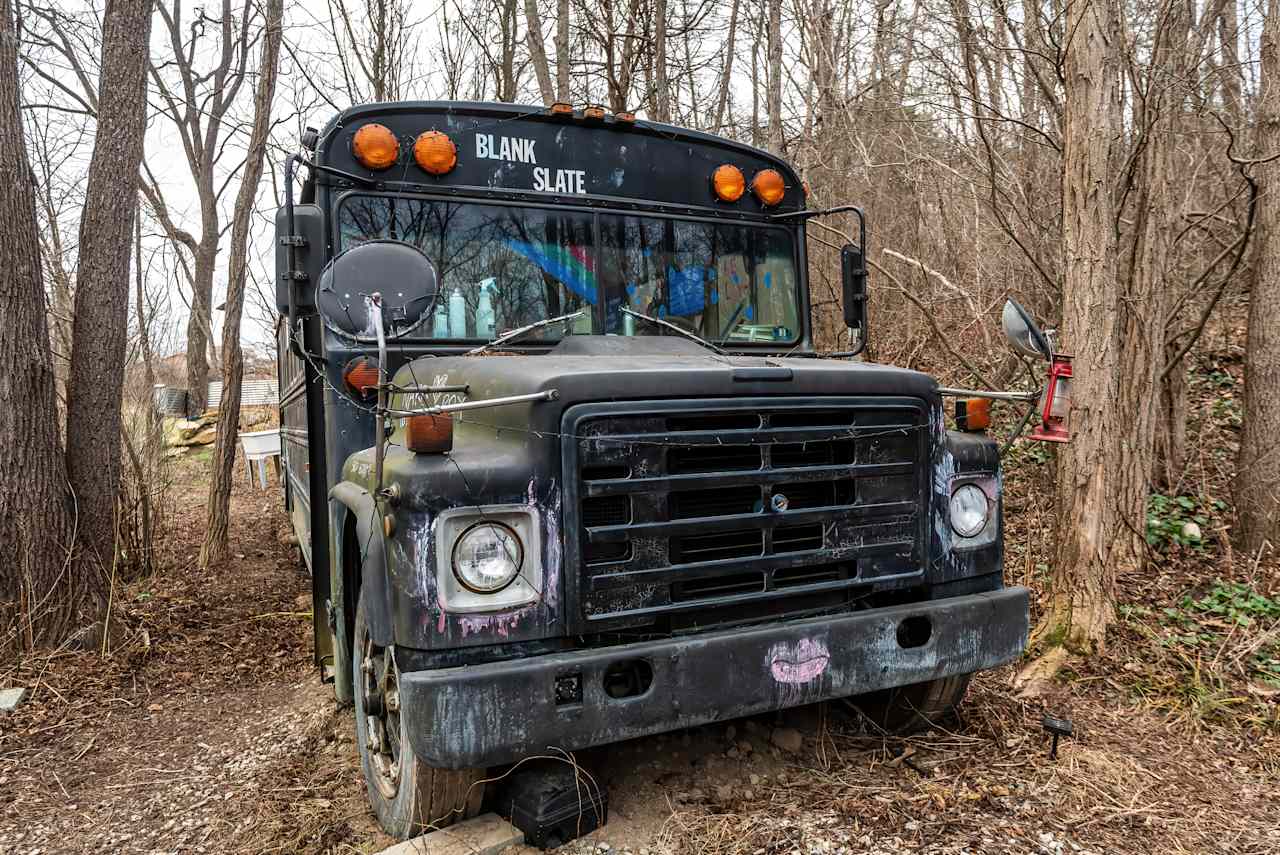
564,463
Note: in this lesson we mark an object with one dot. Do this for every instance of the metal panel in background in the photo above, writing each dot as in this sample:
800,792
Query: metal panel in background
253,393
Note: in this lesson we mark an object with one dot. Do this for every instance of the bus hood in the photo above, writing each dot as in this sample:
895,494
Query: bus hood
615,368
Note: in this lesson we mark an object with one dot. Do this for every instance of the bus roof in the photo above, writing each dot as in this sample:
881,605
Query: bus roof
509,150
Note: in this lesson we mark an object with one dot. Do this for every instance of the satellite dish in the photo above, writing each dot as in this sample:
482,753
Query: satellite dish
1022,332
399,271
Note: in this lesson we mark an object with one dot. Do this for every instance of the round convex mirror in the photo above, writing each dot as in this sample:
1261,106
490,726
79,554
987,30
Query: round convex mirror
1023,334
399,271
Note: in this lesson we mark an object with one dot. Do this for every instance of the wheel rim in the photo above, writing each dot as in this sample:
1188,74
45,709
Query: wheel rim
380,705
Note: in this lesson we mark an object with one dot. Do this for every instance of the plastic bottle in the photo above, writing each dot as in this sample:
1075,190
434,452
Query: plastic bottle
457,314
484,310
440,327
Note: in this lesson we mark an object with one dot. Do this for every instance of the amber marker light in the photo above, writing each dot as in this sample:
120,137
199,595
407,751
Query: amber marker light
429,434
973,414
769,187
594,112
728,183
626,117
561,108
375,146
361,375
435,152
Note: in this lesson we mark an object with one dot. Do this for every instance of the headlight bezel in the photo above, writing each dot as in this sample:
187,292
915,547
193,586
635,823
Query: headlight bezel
525,588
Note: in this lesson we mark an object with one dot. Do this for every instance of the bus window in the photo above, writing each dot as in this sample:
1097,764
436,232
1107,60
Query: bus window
499,267
724,282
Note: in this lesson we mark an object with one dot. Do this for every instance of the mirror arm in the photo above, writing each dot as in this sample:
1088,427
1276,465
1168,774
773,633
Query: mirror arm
861,244
338,173
950,392
292,251
374,302
292,276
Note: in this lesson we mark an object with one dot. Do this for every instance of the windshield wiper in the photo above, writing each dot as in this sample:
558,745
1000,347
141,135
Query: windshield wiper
691,336
733,321
518,333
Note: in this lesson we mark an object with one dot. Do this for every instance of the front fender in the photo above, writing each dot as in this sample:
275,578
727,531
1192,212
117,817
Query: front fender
346,498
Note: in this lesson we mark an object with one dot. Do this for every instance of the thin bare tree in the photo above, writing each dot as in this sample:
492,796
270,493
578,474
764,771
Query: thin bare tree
538,51
197,80
214,548
1257,484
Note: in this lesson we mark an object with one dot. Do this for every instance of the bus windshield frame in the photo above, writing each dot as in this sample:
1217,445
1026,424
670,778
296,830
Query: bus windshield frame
733,281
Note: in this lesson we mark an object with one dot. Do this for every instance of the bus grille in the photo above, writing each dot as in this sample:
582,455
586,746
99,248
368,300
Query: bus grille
692,511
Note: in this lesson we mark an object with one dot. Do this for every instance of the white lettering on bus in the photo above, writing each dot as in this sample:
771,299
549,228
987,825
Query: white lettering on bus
564,181
515,149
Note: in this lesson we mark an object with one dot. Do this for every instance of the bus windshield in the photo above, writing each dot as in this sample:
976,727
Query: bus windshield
502,267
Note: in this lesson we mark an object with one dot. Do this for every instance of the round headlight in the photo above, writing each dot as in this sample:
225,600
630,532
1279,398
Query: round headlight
969,510
487,557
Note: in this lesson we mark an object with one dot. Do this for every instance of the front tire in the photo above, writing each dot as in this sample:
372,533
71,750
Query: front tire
907,709
407,795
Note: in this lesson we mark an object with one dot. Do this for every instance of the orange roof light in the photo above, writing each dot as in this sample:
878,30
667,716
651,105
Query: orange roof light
728,182
769,187
435,152
375,146
560,108
625,116
593,111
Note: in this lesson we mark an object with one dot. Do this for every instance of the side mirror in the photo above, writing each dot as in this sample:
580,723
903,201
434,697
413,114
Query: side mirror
853,273
1023,334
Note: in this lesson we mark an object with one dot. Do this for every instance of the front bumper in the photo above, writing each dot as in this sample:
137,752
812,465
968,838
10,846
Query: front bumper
484,715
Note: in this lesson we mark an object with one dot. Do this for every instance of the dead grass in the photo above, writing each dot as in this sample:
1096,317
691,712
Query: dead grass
1132,781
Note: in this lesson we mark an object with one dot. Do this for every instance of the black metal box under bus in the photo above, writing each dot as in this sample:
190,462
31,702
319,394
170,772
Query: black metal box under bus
552,802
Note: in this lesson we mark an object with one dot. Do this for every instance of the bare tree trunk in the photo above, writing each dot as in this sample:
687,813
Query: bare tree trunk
726,71
1166,93
1257,486
36,592
214,549
1144,301
774,101
1171,430
537,51
100,325
755,82
562,50
661,86
1231,72
144,323
1091,523
508,19
198,329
